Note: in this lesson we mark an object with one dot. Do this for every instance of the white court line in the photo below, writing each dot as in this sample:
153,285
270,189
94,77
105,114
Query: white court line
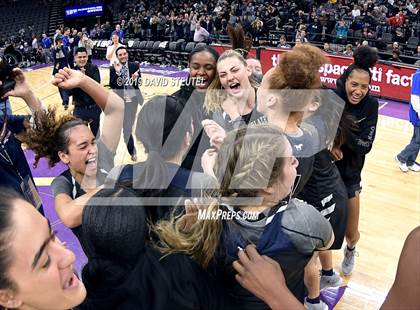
382,106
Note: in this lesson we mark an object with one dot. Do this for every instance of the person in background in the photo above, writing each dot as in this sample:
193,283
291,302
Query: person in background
125,78
406,159
67,41
395,57
362,108
349,50
283,43
119,32
327,48
14,168
46,46
200,33
57,33
341,30
60,56
76,39
417,53
84,106
34,42
255,66
87,43
110,50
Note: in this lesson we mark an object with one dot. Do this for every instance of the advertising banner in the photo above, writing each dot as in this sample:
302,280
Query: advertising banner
391,81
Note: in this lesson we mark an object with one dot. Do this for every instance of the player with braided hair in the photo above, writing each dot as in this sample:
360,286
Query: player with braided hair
255,170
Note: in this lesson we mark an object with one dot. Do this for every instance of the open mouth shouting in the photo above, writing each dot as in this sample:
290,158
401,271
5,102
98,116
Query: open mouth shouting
234,88
91,163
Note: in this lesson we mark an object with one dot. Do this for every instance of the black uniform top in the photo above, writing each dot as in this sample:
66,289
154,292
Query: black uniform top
359,140
14,167
252,118
178,189
80,98
325,176
193,102
66,184
304,144
155,282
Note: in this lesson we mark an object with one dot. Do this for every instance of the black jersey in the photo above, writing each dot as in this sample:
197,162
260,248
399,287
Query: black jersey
304,144
359,141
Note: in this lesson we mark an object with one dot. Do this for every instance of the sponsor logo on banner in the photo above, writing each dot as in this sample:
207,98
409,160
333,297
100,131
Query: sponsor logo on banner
389,81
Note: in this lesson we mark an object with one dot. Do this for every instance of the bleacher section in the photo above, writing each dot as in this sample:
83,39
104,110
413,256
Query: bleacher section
176,53
21,14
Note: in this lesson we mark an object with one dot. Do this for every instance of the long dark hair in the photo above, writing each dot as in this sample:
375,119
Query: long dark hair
162,125
113,229
239,41
49,134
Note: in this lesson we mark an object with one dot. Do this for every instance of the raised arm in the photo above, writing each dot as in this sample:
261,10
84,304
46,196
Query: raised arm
22,90
110,103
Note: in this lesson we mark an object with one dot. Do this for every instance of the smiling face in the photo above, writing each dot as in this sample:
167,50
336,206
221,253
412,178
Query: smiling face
357,86
234,76
81,59
42,268
82,151
122,55
202,66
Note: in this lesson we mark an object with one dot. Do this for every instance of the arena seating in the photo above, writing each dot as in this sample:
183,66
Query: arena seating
21,14
176,53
